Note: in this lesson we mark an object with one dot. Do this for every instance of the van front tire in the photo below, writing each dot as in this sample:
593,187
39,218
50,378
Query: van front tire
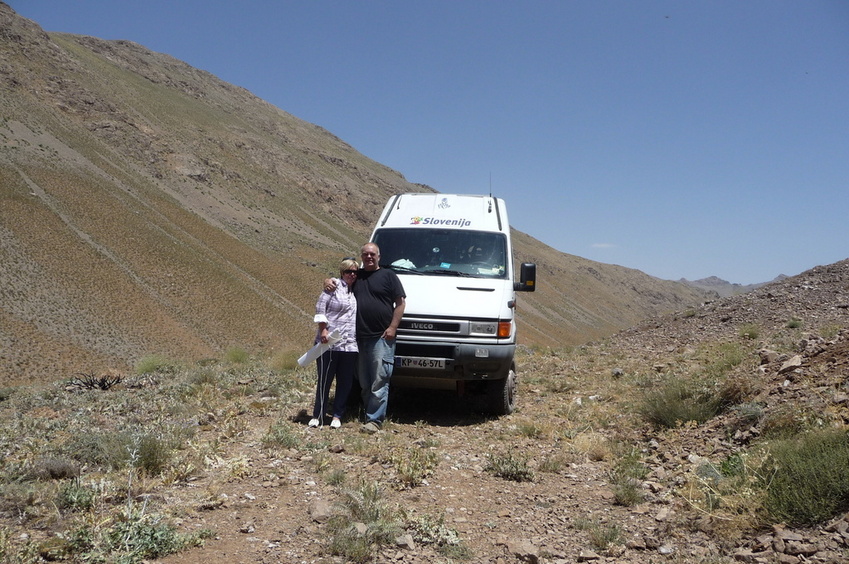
501,394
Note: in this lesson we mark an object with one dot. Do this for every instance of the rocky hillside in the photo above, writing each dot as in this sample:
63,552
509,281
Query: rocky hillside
724,288
147,207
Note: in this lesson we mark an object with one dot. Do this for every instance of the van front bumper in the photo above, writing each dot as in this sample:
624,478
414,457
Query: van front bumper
455,361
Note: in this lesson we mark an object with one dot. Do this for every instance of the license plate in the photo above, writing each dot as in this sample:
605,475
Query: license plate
420,362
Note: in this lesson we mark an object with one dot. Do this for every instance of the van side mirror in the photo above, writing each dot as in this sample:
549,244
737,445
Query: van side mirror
527,278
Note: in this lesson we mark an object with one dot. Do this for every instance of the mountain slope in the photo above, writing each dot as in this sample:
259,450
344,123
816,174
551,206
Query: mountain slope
723,288
147,207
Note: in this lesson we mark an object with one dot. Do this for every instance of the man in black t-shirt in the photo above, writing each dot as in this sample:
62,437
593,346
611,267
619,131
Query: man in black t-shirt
380,305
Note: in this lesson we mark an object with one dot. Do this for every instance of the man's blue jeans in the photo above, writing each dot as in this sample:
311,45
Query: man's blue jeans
376,361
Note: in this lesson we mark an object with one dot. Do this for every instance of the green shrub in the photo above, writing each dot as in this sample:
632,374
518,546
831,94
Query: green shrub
236,355
733,466
510,467
152,454
364,524
414,465
725,357
746,414
153,363
430,530
132,538
601,536
626,477
793,323
336,477
530,429
806,478
106,450
784,422
750,331
281,434
76,496
148,452
679,401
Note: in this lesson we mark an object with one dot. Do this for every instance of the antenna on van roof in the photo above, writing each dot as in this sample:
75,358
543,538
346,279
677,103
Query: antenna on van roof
490,184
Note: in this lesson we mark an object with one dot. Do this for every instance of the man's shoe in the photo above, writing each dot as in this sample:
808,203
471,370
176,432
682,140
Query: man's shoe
371,428
314,422
335,424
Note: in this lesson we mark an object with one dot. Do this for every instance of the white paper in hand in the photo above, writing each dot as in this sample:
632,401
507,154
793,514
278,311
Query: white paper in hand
320,348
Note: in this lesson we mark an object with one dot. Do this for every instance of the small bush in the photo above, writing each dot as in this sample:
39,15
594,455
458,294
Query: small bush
830,331
750,331
236,355
365,523
553,464
725,357
281,434
530,429
627,477
736,390
414,465
106,450
433,531
806,478
679,401
153,363
730,493
510,467
53,468
746,415
152,454
793,323
76,496
132,538
784,422
602,536
336,477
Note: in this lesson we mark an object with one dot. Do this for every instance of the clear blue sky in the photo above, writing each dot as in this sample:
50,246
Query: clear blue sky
681,138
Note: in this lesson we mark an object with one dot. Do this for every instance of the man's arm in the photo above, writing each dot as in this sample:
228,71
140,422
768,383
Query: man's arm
397,313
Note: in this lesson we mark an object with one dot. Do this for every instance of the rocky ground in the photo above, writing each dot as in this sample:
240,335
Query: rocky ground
570,427
542,485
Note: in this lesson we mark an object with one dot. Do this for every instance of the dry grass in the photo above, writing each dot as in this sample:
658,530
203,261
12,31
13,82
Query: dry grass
89,449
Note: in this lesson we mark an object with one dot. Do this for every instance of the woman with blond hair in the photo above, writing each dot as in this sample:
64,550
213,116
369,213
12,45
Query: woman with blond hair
336,311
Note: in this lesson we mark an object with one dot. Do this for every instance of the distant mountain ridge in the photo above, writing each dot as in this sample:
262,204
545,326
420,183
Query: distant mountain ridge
723,288
148,207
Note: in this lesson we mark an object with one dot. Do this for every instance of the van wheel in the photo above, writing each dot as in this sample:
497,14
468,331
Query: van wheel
501,394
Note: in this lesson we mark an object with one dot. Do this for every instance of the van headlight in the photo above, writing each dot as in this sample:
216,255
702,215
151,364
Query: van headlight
483,328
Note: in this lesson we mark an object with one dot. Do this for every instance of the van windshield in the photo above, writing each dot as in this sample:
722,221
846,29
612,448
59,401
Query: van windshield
443,252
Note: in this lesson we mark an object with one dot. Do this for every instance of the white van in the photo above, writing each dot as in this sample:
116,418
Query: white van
454,256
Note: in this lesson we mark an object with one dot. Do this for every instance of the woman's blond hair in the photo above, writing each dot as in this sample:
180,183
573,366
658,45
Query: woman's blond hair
348,264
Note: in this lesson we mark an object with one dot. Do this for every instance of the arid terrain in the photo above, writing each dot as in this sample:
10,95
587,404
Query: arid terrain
571,405
162,238
540,485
